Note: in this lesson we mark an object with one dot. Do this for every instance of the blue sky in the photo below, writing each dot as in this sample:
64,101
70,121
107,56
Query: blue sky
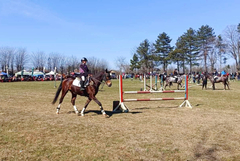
106,29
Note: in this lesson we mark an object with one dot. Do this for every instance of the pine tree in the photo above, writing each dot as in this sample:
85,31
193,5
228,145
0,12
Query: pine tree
135,64
191,47
144,55
221,47
178,54
206,38
162,49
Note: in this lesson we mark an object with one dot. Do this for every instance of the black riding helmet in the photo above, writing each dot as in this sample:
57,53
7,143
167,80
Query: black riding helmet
84,59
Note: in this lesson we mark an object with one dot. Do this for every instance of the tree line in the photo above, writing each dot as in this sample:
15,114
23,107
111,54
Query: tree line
192,48
17,59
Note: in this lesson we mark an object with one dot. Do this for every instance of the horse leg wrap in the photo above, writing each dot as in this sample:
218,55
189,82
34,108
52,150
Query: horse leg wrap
82,112
103,112
58,108
75,108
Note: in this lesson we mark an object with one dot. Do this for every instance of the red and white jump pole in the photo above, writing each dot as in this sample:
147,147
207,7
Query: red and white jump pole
125,108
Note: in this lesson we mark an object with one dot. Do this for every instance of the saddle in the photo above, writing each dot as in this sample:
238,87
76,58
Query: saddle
173,79
77,80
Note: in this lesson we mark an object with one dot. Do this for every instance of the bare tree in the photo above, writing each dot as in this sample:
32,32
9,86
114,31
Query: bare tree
72,64
11,54
233,43
96,65
121,64
212,55
7,59
38,60
62,63
21,58
49,64
54,58
103,64
3,58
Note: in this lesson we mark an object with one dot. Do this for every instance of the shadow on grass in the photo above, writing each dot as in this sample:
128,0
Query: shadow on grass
169,107
109,113
141,108
221,89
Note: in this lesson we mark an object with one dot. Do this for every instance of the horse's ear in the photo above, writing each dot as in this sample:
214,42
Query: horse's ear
106,70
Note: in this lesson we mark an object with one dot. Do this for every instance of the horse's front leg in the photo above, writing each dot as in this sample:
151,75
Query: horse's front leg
86,104
165,86
74,96
178,85
101,108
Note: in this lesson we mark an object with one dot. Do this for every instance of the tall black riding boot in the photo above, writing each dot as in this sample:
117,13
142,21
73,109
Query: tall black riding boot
82,86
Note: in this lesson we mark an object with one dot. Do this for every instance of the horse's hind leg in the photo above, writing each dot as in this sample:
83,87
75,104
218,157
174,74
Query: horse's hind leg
74,96
61,100
213,86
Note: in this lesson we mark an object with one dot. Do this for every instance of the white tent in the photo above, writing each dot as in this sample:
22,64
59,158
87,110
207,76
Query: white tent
50,73
37,73
24,73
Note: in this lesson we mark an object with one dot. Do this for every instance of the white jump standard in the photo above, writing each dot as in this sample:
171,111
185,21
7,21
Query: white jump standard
125,108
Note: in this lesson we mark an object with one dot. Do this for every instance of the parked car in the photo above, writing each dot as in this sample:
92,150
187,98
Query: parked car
113,76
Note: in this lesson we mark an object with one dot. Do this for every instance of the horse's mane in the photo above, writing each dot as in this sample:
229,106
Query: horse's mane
98,74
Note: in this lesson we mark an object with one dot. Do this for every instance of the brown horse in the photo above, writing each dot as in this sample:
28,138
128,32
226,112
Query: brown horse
90,91
222,79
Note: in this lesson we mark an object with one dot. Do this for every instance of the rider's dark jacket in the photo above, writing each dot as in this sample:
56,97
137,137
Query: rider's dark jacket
83,70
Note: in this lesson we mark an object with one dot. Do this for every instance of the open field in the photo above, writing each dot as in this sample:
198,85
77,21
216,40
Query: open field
30,129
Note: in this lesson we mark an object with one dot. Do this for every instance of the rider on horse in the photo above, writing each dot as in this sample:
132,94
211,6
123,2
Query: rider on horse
215,73
164,73
83,69
175,73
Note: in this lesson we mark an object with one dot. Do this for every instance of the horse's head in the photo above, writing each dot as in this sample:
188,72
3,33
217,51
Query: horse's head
107,78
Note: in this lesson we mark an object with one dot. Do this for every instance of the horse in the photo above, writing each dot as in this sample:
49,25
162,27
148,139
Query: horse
222,79
169,80
90,91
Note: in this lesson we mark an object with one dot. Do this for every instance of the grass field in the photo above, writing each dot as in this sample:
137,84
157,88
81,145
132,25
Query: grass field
158,130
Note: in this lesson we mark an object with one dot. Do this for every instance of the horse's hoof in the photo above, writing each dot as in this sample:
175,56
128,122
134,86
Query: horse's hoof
77,112
57,113
106,116
82,114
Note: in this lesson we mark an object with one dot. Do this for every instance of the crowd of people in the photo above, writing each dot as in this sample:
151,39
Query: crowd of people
195,76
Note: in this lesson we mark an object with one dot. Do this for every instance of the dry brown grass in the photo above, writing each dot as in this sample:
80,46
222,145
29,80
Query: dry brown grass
30,129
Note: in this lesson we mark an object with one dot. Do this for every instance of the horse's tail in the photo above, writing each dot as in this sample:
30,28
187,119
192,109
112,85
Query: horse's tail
57,93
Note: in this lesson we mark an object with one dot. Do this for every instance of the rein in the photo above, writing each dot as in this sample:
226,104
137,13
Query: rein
104,79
